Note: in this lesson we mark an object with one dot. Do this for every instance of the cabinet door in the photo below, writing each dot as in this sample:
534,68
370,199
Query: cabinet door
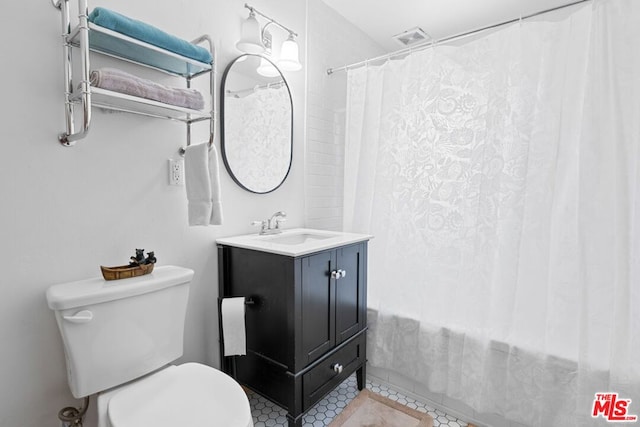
350,292
318,312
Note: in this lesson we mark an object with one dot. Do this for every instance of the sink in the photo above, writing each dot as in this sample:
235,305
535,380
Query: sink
298,238
294,242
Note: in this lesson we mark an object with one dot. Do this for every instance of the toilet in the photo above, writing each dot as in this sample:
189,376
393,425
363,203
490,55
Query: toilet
120,338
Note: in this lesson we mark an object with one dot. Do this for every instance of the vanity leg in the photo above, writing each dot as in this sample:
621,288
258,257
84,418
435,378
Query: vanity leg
361,377
294,422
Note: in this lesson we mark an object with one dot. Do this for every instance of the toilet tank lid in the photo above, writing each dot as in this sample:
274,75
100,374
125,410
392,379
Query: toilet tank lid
97,290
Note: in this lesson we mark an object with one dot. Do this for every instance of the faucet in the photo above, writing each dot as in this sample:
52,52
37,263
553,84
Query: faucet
271,225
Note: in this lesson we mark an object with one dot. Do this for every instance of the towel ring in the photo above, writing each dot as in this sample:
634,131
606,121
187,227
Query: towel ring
182,150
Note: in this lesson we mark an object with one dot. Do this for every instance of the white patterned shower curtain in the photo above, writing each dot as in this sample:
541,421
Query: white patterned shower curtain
501,179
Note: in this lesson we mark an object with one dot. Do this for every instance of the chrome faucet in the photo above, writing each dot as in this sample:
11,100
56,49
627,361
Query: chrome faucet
271,225
278,217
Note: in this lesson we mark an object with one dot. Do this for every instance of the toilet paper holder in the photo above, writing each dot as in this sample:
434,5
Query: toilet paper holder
247,301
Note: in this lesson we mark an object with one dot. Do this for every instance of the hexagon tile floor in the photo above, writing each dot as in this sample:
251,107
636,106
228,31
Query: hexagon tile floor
267,414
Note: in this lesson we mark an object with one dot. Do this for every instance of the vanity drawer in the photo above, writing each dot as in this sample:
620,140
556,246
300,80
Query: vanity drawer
326,375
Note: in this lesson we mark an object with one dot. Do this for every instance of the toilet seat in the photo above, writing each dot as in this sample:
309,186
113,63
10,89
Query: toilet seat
187,395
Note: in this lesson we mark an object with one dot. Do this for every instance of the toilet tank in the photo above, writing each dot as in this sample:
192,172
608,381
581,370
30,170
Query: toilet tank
116,331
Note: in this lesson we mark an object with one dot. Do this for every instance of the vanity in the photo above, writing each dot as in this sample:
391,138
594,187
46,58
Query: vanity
305,314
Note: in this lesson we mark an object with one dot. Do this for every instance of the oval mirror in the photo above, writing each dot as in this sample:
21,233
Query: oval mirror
257,124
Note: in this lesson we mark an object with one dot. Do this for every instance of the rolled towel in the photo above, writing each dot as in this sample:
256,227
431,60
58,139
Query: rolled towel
120,81
147,33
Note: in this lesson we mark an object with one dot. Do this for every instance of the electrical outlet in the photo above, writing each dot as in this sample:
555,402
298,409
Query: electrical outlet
176,172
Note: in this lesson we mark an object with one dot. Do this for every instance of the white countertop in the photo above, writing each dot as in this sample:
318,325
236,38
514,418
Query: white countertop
294,242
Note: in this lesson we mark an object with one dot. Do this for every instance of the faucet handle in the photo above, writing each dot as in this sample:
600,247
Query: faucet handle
280,220
262,224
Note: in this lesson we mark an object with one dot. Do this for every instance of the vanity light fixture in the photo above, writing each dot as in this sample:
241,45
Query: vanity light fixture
266,69
251,41
258,41
289,55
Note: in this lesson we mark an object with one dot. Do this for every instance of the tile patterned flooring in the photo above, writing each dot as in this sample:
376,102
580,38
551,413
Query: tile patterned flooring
267,414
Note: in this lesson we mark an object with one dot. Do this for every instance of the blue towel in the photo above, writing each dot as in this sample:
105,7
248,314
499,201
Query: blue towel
147,33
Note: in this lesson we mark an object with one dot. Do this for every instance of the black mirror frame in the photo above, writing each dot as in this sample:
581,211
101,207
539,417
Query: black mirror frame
222,132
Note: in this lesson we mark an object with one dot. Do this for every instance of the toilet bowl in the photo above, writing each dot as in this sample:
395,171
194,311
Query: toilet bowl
191,394
120,340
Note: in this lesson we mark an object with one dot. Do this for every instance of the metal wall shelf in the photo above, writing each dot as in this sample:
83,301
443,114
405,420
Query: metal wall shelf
86,37
117,101
121,46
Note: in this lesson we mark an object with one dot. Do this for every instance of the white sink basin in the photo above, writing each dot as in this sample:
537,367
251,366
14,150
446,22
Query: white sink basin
294,242
297,238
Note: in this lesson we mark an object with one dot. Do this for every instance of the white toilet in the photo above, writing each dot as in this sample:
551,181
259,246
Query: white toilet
119,337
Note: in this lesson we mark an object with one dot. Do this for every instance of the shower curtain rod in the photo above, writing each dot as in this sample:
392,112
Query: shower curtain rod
410,50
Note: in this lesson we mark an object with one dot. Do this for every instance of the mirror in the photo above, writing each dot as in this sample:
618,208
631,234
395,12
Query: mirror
257,124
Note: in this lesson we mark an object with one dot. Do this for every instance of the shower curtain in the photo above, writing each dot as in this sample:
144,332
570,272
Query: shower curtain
501,180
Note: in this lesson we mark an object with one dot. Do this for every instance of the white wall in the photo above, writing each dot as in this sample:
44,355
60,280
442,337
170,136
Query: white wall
65,211
332,42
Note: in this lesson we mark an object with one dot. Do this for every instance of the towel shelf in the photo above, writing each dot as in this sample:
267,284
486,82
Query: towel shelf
88,37
117,101
112,43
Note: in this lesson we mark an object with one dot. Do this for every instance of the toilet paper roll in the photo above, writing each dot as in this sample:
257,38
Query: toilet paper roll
233,328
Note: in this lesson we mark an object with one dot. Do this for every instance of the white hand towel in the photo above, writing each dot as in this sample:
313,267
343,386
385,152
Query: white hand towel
202,178
233,328
216,198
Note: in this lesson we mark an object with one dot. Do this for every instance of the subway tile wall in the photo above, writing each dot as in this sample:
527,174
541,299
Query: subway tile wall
332,41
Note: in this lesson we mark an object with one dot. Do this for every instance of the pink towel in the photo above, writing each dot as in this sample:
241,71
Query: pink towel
120,81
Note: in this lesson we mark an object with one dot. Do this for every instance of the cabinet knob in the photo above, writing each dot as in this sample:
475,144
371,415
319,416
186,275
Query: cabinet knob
338,274
337,368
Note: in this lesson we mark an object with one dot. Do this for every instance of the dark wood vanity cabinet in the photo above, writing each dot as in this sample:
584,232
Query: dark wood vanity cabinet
305,321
